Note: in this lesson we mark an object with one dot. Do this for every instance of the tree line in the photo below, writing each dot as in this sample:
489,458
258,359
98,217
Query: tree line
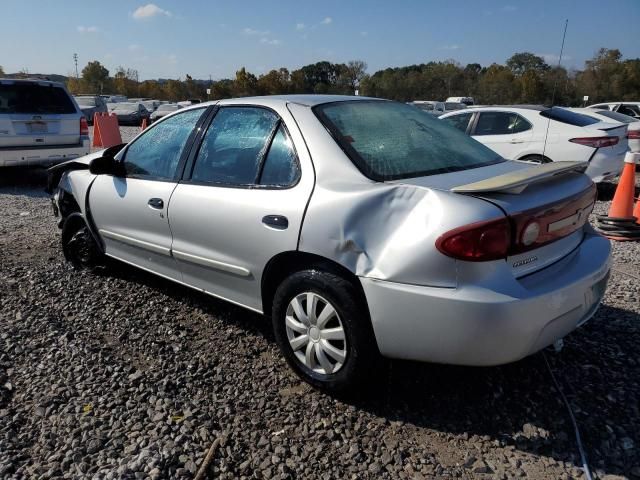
524,78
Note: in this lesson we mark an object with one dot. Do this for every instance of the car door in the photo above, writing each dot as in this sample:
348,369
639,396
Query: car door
130,211
241,203
506,133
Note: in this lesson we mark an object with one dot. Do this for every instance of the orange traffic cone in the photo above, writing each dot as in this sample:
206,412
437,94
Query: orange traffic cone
144,124
622,204
620,223
636,211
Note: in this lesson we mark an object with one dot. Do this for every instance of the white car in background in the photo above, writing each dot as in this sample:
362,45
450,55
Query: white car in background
633,124
631,109
541,134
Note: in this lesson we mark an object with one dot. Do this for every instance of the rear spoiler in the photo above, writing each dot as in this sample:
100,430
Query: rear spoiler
516,182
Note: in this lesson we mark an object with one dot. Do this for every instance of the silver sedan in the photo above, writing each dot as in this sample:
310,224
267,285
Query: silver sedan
364,228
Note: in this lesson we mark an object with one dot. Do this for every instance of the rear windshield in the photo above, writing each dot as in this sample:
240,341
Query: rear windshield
390,140
620,117
566,116
34,98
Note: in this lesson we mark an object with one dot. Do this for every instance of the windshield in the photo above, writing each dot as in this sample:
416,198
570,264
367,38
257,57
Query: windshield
34,98
87,101
566,116
620,117
390,140
125,106
454,106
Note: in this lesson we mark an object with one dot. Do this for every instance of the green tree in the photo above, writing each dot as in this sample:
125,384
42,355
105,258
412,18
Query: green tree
245,84
519,63
95,76
353,73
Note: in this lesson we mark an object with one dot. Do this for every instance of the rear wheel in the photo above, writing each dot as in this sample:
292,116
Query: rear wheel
323,330
79,246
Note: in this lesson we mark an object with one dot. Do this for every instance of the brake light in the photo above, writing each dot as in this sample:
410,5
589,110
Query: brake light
84,126
633,135
477,242
596,142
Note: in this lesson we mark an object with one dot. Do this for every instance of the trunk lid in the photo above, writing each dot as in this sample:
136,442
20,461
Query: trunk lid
556,196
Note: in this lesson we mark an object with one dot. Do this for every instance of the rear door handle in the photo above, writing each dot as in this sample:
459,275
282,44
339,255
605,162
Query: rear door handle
156,203
278,222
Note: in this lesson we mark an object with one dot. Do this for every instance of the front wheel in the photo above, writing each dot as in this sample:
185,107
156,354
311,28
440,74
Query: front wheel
323,330
79,246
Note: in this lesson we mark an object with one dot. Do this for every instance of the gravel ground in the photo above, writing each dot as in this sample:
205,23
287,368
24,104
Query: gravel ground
119,374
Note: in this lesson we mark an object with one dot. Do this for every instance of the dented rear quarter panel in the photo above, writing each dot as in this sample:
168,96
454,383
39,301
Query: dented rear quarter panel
380,230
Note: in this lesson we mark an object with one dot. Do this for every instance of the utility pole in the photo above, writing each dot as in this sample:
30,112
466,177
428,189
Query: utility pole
75,59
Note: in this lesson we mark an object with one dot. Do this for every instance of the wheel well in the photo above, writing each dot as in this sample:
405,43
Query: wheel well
536,155
67,204
287,263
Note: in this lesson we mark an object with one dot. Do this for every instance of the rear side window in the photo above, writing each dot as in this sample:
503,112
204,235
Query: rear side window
280,166
461,122
34,98
631,110
500,123
233,147
390,140
566,116
620,117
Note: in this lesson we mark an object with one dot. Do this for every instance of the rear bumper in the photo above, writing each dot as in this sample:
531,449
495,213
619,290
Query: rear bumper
476,325
43,156
605,165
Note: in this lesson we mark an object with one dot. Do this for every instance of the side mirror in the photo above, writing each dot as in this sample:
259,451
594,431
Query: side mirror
106,165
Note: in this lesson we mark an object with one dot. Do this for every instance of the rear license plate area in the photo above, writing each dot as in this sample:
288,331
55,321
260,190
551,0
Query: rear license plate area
37,127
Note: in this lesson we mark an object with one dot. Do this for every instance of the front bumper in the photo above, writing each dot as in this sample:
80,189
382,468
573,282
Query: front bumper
476,325
43,156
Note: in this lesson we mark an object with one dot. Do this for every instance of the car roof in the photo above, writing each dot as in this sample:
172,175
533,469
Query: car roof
9,81
309,100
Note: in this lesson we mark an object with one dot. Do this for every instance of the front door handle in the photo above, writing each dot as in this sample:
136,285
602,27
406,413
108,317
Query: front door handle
515,140
156,203
278,222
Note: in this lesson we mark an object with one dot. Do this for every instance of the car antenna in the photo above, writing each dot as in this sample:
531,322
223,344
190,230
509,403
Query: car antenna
555,85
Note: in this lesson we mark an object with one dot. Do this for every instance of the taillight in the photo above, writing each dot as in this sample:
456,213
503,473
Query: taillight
633,135
477,242
596,142
84,126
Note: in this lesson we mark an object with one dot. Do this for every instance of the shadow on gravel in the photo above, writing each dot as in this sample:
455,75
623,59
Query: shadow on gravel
606,190
514,405
27,181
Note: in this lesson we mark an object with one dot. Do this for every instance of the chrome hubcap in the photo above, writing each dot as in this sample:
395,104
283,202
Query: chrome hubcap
315,333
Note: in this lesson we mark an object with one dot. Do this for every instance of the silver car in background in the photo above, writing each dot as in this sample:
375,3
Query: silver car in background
163,110
90,105
363,227
40,124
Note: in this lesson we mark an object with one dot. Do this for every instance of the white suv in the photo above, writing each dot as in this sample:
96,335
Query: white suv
40,124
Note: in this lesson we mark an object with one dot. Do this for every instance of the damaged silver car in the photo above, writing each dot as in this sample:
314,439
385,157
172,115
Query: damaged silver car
362,227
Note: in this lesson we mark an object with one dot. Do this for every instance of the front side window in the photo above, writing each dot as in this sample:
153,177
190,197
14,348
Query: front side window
233,147
461,122
389,140
156,153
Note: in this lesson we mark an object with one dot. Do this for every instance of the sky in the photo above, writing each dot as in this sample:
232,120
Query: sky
202,38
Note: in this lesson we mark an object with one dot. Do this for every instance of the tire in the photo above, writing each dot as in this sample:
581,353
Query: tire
79,246
536,159
326,290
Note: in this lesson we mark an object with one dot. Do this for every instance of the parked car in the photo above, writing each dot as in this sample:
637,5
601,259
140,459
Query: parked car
130,113
631,109
541,134
466,100
438,108
163,110
361,226
90,105
114,98
40,124
151,105
633,124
